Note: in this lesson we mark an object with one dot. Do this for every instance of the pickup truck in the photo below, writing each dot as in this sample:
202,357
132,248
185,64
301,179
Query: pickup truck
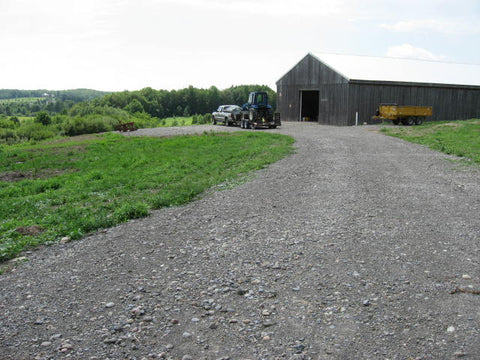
228,114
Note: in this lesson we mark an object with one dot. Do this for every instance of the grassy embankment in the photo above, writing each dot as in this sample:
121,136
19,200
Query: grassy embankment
72,187
460,138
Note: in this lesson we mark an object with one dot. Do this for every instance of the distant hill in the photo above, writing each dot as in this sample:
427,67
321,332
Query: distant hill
75,95
15,102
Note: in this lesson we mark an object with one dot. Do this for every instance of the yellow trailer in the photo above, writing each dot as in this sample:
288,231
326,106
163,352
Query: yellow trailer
406,114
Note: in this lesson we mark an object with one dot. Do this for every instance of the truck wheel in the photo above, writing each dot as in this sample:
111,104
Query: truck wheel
226,122
410,121
418,121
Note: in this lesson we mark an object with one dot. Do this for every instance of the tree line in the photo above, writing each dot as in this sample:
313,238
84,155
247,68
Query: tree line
156,103
184,102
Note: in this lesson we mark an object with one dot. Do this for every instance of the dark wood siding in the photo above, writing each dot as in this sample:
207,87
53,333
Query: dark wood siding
340,98
449,103
311,74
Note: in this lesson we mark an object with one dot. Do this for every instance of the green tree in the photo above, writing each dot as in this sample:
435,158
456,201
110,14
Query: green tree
134,106
43,118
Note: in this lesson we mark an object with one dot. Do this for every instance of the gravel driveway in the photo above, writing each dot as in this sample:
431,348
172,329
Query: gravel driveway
348,249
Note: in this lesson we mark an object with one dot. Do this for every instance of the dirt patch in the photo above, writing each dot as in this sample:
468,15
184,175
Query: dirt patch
15,176
32,230
85,137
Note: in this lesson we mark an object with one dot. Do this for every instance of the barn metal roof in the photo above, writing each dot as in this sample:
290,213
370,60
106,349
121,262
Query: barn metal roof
369,68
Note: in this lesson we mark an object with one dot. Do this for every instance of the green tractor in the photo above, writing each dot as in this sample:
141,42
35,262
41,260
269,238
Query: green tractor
258,113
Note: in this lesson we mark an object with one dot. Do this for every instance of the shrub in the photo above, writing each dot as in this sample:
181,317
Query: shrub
204,119
88,125
43,118
8,136
7,123
36,132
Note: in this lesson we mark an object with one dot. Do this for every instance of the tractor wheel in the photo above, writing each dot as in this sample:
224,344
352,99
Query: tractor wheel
252,114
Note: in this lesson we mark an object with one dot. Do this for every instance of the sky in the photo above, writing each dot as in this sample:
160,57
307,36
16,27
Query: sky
116,45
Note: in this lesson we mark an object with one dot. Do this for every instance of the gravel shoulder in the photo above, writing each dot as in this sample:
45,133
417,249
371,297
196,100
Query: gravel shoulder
349,248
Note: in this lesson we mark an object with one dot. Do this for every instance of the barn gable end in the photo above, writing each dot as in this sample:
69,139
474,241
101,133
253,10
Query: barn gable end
335,94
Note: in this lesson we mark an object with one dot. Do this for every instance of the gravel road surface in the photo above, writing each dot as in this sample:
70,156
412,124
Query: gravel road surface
358,246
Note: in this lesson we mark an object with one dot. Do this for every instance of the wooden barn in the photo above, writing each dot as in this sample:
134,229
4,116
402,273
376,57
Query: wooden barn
338,89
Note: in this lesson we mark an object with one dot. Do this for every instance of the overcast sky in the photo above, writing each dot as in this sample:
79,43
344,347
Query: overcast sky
119,45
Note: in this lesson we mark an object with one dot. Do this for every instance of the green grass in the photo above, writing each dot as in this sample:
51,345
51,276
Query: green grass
460,138
75,186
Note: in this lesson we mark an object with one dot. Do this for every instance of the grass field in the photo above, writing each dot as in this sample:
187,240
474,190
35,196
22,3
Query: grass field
460,138
28,100
72,187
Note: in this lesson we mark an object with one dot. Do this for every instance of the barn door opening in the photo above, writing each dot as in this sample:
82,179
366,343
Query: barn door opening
309,105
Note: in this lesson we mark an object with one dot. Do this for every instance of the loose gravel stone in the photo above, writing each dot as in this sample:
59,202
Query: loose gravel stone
276,267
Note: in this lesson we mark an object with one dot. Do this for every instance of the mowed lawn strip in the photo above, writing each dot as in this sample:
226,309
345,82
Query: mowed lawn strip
460,138
69,188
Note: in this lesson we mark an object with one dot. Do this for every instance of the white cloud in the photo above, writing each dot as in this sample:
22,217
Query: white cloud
458,26
274,7
411,52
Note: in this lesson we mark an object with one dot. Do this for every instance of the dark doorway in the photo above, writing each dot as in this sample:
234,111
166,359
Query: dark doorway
310,105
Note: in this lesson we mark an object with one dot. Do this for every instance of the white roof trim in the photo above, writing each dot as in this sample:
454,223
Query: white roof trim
354,67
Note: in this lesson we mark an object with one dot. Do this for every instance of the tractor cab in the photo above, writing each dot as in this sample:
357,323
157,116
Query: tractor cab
257,100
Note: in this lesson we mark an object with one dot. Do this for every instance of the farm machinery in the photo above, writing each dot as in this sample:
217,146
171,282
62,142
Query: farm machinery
407,115
256,112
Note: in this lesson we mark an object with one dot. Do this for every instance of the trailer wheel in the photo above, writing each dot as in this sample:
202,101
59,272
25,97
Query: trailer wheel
396,122
408,121
418,121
